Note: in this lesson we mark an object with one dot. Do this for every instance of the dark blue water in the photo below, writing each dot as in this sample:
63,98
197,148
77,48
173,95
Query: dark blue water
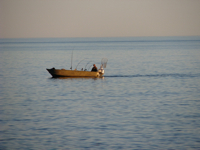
149,97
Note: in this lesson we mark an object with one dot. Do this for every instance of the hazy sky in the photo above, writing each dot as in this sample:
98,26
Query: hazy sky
98,18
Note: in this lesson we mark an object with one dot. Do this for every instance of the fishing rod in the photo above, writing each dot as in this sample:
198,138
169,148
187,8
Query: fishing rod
80,62
90,67
87,64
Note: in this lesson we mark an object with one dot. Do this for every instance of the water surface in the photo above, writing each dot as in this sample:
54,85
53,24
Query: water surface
149,97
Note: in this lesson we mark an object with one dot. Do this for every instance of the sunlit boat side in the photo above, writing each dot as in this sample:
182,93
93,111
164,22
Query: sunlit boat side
73,73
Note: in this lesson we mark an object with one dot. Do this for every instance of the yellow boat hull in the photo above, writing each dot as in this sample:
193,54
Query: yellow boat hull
72,73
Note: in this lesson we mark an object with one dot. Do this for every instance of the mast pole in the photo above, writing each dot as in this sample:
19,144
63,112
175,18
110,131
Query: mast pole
71,59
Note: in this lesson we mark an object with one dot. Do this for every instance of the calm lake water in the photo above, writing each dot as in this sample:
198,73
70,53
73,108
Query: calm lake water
149,97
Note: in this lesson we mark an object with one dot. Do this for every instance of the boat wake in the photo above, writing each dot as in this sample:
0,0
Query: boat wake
156,75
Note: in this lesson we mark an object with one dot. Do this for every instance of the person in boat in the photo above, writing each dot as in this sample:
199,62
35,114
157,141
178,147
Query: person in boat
94,68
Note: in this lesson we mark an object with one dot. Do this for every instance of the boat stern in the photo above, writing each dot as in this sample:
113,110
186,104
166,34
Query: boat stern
101,72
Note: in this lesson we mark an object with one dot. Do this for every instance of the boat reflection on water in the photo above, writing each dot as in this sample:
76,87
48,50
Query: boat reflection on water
77,78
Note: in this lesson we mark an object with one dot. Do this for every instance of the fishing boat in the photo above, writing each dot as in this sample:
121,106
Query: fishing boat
79,73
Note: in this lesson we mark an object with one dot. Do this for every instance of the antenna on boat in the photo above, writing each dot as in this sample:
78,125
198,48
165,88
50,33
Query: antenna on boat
80,62
71,59
104,62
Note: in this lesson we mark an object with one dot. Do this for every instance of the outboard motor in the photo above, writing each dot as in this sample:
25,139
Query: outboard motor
103,65
101,71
